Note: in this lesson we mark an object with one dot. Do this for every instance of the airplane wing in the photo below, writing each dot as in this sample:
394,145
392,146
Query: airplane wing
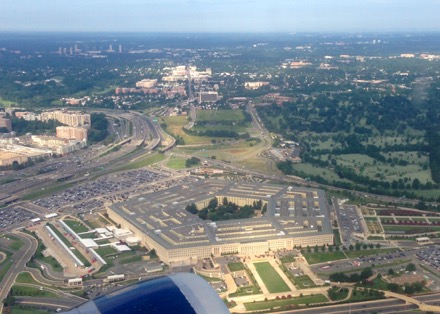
178,293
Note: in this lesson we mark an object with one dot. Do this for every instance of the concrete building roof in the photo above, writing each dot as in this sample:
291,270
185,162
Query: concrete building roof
291,212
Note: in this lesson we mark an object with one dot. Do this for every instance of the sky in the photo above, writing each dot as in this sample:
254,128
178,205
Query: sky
219,16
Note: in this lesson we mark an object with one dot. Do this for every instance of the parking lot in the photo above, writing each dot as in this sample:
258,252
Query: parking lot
10,216
349,222
84,194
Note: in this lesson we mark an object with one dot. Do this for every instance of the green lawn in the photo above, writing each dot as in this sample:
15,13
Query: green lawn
46,191
175,127
142,162
262,305
105,250
303,282
176,163
18,290
249,290
337,237
337,293
76,226
235,266
25,277
220,115
132,259
21,309
4,267
287,259
272,280
52,262
364,296
322,257
15,244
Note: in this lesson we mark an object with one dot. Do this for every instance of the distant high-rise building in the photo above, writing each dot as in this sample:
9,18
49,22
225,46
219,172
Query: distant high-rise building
68,118
120,48
110,48
71,50
72,133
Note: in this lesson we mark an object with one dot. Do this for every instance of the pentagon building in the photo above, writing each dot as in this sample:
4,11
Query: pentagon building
294,217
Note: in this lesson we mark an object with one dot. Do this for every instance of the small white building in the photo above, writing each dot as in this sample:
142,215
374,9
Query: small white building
122,234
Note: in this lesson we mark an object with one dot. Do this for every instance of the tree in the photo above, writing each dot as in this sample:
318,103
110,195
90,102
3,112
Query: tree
391,272
225,201
193,161
416,184
213,203
410,267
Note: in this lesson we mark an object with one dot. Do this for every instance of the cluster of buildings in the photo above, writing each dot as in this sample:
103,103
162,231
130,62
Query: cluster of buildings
255,85
152,87
173,84
22,149
77,50
295,217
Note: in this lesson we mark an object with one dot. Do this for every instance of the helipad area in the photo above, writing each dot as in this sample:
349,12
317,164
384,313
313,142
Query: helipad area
295,217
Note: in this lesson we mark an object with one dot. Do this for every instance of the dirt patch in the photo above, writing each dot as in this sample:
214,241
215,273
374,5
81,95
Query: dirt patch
407,278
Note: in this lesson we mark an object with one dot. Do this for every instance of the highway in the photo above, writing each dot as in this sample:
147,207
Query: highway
19,258
380,306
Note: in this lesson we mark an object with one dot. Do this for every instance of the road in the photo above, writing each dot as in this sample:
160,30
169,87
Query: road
380,306
49,303
20,258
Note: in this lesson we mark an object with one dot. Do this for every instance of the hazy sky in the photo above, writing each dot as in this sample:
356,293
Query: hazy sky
219,15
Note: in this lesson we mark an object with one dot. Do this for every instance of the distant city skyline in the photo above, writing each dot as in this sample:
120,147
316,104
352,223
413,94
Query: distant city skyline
219,15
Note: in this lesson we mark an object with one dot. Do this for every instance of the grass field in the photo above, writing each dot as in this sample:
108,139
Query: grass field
76,226
143,162
287,259
52,262
106,250
176,163
5,102
236,266
4,268
303,282
175,127
18,290
322,257
46,191
263,305
15,244
131,259
272,280
21,309
25,277
324,172
337,237
220,115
